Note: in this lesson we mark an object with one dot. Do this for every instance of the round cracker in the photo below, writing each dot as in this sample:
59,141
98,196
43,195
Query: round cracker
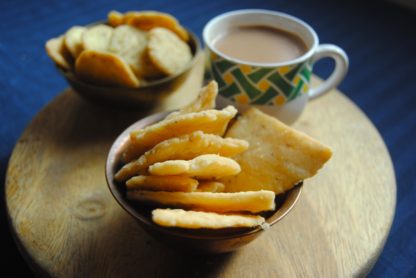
115,18
105,68
145,67
130,43
126,39
56,50
147,20
73,40
97,37
167,51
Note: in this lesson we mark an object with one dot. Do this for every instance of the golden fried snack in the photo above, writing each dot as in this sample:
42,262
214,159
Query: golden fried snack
167,51
130,43
186,146
104,68
278,158
97,37
176,167
210,186
145,67
56,50
127,40
172,183
115,18
147,20
203,220
250,201
208,121
73,40
205,100
206,166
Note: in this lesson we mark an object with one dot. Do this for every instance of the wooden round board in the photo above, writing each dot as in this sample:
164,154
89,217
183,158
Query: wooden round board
67,223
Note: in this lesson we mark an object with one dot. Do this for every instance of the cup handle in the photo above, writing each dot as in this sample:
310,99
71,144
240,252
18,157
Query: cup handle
341,68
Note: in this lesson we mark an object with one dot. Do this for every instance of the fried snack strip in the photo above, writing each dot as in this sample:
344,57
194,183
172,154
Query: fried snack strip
207,166
203,220
205,101
210,186
184,147
208,121
166,183
250,201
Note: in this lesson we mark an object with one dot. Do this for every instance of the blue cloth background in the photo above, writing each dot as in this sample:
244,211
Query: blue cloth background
379,37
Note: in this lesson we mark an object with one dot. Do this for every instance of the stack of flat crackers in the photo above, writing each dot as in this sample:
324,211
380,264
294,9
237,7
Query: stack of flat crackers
208,168
131,50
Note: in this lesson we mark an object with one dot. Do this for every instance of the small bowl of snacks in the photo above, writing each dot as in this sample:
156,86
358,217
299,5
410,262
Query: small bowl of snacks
132,58
208,179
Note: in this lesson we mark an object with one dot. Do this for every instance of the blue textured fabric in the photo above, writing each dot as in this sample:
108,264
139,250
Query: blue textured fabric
378,36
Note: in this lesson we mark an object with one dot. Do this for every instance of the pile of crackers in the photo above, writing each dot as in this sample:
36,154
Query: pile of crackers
133,49
208,168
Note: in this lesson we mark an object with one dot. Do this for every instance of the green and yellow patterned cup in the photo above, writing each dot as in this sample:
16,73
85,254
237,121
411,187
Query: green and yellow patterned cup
280,89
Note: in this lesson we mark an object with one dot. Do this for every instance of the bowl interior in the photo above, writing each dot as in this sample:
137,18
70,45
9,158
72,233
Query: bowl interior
284,202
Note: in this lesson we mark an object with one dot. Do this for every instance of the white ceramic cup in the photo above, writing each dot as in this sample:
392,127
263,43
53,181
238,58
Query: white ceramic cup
280,89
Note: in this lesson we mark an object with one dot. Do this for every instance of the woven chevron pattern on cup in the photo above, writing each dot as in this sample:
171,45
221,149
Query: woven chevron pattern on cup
244,84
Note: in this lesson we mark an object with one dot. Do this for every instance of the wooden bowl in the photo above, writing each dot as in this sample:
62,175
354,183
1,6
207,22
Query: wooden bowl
201,240
132,97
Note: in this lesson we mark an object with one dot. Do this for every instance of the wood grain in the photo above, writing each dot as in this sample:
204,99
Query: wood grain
68,225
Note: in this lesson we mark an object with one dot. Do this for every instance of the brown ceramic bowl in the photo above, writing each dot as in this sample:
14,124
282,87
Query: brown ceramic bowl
132,97
202,240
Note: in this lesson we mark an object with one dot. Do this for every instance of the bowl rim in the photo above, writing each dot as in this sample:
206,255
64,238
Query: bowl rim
70,73
115,151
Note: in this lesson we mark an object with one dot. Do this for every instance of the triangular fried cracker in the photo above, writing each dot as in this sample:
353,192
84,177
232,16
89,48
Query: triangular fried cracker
278,157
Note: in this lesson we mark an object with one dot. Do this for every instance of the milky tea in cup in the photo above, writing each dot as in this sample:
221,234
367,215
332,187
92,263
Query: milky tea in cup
270,44
265,58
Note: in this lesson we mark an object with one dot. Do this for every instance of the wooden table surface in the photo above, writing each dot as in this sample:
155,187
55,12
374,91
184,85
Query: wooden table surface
67,224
